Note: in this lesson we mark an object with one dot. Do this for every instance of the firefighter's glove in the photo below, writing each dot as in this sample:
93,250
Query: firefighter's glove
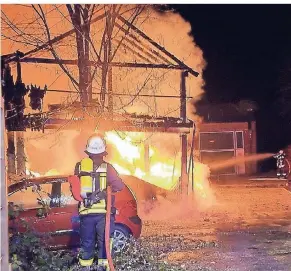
102,194
94,197
99,196
88,202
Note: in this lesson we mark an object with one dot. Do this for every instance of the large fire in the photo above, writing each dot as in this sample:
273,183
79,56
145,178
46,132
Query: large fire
155,161
163,171
128,155
130,159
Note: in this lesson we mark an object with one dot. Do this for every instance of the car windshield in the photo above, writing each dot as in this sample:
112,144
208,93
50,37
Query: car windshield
30,197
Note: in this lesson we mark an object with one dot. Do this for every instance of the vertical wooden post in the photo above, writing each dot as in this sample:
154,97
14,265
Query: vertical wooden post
11,153
183,115
20,155
104,76
254,146
109,37
4,247
110,97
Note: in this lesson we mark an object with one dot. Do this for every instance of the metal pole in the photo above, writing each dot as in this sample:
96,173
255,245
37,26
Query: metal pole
4,257
183,115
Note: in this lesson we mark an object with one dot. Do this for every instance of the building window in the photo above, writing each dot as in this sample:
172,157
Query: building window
239,140
216,141
216,147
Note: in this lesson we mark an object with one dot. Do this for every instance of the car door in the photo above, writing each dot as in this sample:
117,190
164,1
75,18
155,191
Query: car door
33,214
64,212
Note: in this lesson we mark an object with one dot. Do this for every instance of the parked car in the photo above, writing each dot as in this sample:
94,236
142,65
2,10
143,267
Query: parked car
47,206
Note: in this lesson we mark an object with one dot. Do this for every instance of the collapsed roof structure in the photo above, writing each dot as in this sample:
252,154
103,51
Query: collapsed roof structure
149,53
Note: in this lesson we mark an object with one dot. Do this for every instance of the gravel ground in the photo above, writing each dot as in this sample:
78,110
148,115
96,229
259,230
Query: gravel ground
234,228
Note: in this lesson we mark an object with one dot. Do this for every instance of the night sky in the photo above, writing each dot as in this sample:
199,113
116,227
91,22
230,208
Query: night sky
248,51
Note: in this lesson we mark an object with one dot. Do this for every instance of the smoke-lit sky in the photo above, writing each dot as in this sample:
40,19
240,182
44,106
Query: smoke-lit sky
246,48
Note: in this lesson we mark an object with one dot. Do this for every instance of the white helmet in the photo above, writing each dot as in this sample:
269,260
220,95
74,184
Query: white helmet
96,145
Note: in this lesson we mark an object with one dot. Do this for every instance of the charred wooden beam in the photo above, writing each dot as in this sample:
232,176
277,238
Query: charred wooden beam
184,144
121,94
137,41
128,122
94,63
178,61
134,52
137,44
161,127
181,65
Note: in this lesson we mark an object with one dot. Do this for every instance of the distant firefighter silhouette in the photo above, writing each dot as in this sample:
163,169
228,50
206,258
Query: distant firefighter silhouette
283,167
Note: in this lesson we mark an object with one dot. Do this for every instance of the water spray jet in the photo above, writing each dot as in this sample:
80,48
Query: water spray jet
238,160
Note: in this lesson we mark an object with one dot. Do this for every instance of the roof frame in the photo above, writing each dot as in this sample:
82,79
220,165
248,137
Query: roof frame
179,65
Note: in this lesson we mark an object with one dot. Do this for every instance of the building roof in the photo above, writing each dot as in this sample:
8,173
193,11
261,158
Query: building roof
226,112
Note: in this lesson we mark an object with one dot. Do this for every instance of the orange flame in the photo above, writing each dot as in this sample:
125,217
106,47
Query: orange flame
154,164
163,171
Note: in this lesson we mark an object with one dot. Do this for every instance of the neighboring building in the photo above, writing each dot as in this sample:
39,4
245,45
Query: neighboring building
227,132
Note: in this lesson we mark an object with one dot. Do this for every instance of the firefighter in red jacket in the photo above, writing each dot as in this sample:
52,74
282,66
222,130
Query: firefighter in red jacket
95,175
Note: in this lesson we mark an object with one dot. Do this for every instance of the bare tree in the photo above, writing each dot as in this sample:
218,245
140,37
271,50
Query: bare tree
96,41
81,18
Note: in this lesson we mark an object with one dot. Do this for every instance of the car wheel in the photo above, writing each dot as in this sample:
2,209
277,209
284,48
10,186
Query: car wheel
121,236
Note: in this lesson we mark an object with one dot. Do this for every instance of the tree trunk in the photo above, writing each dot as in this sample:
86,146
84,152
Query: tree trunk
11,153
104,76
81,55
87,70
82,40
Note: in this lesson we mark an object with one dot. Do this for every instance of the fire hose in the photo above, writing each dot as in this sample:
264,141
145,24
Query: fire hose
107,230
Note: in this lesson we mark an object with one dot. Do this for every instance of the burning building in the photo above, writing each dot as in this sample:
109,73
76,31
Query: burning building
141,78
